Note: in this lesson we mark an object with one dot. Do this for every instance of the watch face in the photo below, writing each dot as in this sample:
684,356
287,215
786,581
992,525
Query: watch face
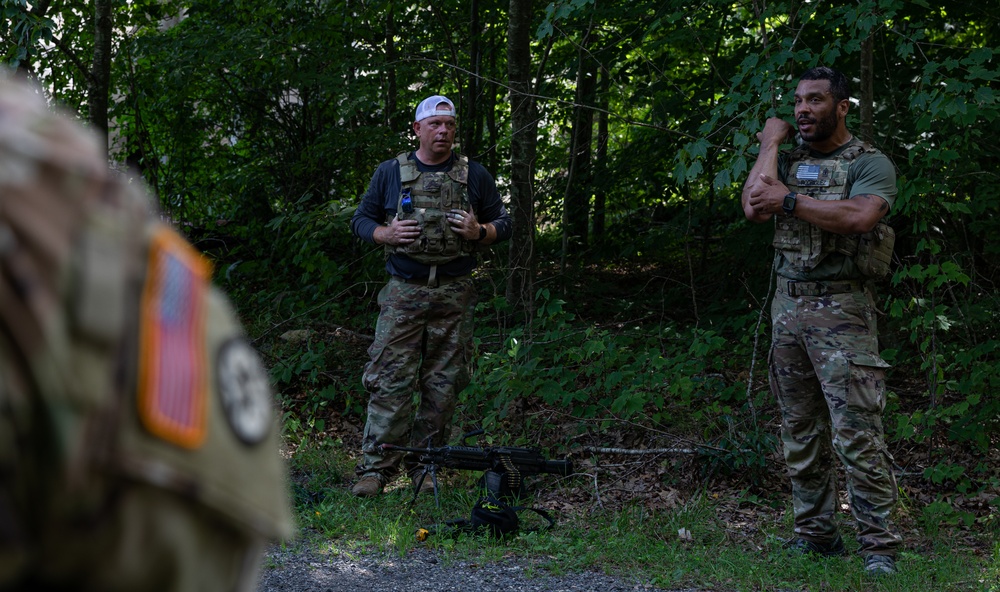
789,204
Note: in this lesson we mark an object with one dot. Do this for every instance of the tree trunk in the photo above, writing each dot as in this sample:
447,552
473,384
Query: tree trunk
867,98
601,159
98,91
472,120
392,119
520,285
492,155
576,202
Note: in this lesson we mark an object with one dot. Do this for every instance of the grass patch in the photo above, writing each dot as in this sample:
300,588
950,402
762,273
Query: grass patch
704,542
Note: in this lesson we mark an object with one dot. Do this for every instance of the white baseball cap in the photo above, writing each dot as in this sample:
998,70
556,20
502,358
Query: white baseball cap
431,106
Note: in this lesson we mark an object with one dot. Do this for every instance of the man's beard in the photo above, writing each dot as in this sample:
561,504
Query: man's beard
822,128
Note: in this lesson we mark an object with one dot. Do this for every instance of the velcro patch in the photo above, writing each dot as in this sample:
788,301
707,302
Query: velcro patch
173,373
244,390
813,175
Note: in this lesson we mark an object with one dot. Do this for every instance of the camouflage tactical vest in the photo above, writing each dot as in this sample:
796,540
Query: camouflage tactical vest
805,245
427,198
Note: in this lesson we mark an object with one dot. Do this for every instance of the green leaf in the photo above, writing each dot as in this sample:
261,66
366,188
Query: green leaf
980,55
722,179
698,149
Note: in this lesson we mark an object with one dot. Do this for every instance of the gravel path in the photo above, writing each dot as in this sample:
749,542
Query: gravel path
303,570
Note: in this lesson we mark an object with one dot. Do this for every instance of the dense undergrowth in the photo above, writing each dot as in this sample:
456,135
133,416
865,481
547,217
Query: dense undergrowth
662,359
704,383
664,530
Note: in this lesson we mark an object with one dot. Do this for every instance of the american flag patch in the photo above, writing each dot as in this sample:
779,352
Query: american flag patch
173,373
808,172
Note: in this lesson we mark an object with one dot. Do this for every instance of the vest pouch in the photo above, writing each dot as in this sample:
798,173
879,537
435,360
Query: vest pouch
874,254
434,231
847,244
801,243
433,245
787,235
452,244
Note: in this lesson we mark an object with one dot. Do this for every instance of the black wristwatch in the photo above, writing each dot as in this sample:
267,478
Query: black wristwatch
482,233
789,204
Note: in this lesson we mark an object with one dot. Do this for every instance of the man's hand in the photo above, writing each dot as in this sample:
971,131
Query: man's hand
776,131
766,196
464,224
398,232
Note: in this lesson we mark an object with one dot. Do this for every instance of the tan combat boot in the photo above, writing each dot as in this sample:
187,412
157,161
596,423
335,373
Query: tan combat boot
426,486
368,486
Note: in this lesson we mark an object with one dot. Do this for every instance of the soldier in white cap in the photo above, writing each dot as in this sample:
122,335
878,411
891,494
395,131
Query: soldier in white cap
432,209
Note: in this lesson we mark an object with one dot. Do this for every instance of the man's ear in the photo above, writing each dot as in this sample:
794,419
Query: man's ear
416,127
843,107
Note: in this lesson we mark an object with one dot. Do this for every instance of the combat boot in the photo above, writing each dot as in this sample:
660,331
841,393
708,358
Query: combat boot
880,565
423,482
801,546
368,485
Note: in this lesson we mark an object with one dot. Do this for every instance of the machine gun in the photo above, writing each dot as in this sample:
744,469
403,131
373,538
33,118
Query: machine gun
504,467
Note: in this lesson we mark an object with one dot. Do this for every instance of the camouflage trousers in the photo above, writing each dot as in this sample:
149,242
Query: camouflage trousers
830,384
419,363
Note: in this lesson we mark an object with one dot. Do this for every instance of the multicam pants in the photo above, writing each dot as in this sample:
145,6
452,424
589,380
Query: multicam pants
829,382
423,343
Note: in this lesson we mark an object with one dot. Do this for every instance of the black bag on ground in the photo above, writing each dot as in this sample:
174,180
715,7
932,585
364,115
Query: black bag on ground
491,516
494,516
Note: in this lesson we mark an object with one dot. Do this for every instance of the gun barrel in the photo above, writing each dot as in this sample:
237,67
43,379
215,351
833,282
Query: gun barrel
402,448
467,458
559,467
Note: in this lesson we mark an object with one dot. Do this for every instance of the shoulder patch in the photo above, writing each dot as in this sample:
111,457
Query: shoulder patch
244,390
173,374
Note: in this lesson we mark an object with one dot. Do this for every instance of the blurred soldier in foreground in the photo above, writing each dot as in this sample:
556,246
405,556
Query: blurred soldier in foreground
138,448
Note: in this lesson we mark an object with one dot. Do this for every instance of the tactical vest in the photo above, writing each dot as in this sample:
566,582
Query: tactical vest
428,198
803,244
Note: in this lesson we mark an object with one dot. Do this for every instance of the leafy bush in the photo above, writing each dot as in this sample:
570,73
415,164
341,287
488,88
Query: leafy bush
676,377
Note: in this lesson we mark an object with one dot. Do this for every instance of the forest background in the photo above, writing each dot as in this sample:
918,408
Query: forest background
630,309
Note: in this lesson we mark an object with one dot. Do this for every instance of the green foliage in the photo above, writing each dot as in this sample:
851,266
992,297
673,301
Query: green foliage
943,512
297,269
21,31
744,453
942,300
246,123
313,384
585,371
677,376
555,12
258,124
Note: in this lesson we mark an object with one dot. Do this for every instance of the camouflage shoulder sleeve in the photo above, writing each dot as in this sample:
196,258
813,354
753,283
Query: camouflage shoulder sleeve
137,429
203,424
